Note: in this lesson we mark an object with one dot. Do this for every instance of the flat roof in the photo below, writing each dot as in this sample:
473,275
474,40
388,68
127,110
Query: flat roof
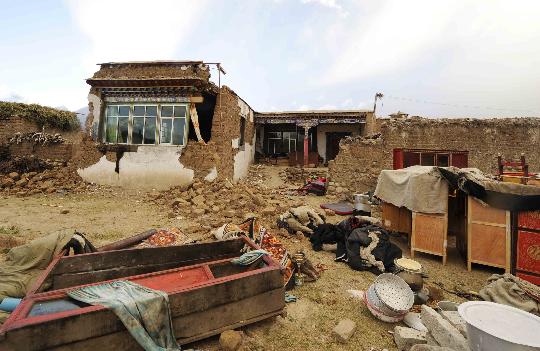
156,62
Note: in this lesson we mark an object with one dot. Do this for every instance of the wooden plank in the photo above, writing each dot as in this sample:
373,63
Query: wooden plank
61,281
488,244
193,327
479,213
429,234
144,256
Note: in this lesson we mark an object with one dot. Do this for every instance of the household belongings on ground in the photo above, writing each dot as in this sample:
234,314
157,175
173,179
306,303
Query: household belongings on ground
314,185
25,263
267,241
206,291
166,237
342,208
361,243
300,219
436,200
510,290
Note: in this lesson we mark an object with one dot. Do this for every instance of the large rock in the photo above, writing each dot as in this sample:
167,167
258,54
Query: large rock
7,183
455,319
268,211
21,182
344,330
444,332
406,338
230,340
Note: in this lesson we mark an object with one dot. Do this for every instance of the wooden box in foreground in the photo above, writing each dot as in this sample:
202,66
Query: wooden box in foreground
488,236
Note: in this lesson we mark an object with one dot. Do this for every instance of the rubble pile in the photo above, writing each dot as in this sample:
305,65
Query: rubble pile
299,175
56,178
217,203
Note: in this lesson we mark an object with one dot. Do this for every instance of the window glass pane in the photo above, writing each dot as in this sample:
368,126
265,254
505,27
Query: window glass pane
427,159
138,111
151,110
112,110
166,111
111,129
179,111
178,130
150,130
137,133
123,110
166,126
123,129
442,160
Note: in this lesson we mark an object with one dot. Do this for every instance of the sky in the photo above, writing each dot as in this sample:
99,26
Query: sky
444,58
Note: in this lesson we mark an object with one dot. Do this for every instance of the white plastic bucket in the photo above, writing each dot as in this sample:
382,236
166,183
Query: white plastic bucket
495,327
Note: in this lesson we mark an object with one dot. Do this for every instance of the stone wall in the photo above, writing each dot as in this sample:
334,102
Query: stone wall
361,159
15,124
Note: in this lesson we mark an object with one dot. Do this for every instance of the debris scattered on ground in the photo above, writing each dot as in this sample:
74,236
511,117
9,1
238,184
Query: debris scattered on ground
344,330
230,340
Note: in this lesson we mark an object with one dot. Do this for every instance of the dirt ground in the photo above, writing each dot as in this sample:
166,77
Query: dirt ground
106,215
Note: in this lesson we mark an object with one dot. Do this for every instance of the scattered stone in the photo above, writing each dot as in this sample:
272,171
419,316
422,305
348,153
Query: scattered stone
230,340
268,211
199,211
444,332
455,319
171,215
344,330
406,338
64,212
7,182
14,175
198,200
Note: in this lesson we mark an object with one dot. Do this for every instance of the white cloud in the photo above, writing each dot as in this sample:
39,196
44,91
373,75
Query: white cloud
333,4
128,30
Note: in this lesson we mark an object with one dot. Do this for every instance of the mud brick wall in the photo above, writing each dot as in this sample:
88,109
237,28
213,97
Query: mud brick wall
225,128
153,71
15,124
53,152
361,159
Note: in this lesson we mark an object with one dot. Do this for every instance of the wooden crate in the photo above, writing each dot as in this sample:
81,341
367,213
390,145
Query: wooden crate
397,219
429,234
488,235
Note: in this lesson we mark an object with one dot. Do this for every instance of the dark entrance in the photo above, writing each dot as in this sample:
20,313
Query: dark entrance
332,143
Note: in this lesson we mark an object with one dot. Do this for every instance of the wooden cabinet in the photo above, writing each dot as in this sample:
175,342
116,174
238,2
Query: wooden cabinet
488,236
397,219
429,234
526,250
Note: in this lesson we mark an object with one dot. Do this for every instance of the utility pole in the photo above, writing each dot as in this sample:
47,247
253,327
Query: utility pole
377,96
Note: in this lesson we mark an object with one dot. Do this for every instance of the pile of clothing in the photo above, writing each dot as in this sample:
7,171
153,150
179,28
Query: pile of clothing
361,243
301,219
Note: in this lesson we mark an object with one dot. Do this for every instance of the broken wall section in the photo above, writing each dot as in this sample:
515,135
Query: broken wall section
233,133
360,160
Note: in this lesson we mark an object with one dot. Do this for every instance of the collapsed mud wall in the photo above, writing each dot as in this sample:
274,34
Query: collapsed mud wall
361,159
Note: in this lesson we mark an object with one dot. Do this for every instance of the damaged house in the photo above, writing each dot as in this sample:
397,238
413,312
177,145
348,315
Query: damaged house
307,137
164,123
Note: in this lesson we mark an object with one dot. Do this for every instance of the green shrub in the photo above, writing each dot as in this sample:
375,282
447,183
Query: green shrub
41,115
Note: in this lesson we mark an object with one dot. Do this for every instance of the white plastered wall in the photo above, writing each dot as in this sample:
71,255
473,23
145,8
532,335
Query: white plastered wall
245,155
322,129
150,167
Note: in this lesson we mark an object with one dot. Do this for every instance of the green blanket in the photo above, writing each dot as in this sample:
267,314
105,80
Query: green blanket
26,262
144,312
